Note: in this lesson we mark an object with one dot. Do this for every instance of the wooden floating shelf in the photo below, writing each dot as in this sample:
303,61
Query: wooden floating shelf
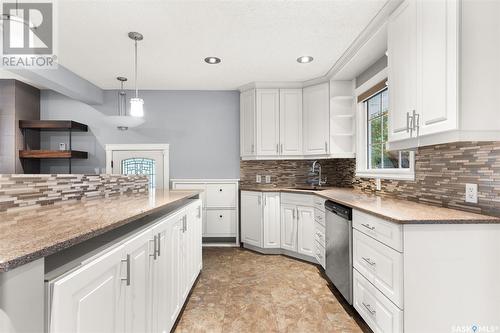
53,125
61,154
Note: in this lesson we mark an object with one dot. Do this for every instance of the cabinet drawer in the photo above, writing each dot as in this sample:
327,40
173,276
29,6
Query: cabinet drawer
380,265
377,311
221,223
319,216
221,195
319,203
319,234
319,254
297,199
193,186
391,234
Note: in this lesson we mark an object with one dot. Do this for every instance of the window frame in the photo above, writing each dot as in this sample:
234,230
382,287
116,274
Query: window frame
362,169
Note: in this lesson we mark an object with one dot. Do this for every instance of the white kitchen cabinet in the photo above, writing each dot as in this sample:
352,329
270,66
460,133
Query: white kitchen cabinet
289,227
139,254
90,299
271,220
291,122
268,121
138,285
247,123
402,65
423,70
305,230
220,197
316,119
251,218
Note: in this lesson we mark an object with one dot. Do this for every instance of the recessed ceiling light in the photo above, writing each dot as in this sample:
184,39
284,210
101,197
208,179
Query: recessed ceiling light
212,60
304,59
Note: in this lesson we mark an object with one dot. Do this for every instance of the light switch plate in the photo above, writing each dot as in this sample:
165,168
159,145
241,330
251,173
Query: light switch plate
258,179
268,179
471,193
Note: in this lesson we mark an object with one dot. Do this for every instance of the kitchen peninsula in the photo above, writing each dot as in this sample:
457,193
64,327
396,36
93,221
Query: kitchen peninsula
139,251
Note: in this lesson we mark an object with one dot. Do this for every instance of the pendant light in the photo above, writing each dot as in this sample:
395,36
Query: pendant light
136,103
122,121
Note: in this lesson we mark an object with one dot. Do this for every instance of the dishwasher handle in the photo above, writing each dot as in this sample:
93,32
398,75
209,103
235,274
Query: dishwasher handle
338,209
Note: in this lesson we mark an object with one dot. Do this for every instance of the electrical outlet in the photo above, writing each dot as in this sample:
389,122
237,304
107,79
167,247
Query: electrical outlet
268,179
471,193
378,184
258,179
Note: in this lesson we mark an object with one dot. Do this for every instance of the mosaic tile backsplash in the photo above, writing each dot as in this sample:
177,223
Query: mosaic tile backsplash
441,172
19,191
290,173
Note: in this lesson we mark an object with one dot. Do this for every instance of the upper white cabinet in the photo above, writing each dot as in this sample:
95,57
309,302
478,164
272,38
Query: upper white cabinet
268,122
291,122
316,101
247,123
402,69
435,90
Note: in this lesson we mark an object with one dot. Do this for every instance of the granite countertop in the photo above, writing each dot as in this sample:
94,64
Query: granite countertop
394,210
33,233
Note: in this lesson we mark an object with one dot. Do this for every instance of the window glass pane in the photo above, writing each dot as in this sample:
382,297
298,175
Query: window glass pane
376,156
405,159
140,166
385,100
375,130
390,159
374,106
385,128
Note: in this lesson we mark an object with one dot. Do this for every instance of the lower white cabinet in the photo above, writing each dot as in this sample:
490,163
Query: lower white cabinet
289,227
260,213
138,285
305,230
270,220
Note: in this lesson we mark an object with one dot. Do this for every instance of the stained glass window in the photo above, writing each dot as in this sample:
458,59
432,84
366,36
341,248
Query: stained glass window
140,166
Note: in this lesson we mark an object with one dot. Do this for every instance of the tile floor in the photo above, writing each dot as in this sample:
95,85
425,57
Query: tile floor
243,291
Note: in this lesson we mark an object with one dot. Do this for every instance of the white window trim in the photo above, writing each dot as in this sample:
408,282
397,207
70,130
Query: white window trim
361,141
164,147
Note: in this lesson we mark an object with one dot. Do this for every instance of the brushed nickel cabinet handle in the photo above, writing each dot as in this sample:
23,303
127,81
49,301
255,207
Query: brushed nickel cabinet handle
155,241
367,226
369,308
277,148
127,278
159,244
369,261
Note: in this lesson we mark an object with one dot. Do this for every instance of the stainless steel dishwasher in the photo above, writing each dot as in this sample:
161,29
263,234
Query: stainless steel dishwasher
339,247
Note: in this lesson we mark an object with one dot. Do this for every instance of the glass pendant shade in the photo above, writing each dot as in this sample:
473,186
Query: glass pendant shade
136,107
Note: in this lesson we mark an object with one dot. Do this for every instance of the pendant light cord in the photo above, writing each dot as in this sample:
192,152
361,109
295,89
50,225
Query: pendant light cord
136,92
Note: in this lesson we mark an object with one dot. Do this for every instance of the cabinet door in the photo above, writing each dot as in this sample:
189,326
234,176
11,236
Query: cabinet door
247,123
437,65
268,117
288,227
316,119
251,218
91,299
271,220
138,292
305,234
402,68
176,263
291,122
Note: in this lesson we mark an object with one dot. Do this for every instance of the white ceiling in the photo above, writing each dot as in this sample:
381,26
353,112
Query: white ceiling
257,40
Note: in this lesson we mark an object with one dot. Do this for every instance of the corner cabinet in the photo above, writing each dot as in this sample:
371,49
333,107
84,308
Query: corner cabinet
273,222
316,119
138,285
260,225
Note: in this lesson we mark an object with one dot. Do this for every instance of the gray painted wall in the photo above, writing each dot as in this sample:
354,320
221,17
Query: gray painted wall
202,128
